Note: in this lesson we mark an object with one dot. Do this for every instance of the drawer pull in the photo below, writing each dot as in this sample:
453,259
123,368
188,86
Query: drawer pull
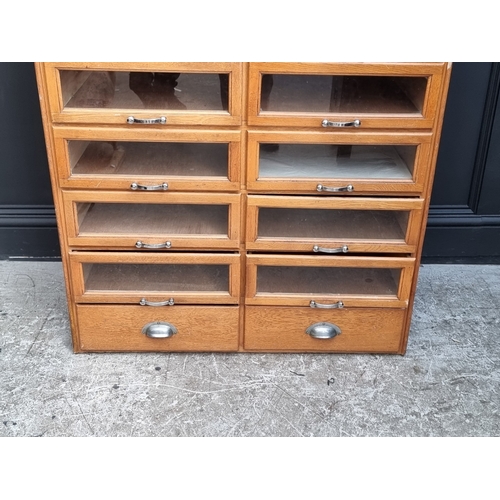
323,330
159,330
343,249
354,123
144,302
337,305
160,187
140,244
347,188
147,121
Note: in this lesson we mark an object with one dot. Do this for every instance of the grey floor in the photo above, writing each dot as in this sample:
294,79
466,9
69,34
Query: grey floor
448,383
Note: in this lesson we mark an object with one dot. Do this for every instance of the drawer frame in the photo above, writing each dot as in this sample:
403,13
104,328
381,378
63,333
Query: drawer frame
362,186
114,116
295,244
123,182
128,241
81,296
435,73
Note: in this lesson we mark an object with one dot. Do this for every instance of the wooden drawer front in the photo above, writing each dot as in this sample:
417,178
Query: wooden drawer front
119,328
331,281
333,225
376,95
338,163
157,221
361,330
110,93
124,159
110,277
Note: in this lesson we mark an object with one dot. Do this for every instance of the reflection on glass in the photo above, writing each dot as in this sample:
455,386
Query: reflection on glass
156,277
332,224
325,161
327,280
145,90
148,218
148,158
342,94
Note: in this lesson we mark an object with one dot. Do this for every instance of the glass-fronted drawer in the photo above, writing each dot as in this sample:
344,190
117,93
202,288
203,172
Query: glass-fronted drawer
145,94
155,279
145,160
340,95
328,282
157,221
333,225
341,163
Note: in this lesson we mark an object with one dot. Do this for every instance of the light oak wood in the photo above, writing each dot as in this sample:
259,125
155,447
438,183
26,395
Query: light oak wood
362,330
119,328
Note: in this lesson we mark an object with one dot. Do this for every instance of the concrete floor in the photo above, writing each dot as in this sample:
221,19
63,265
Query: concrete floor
448,383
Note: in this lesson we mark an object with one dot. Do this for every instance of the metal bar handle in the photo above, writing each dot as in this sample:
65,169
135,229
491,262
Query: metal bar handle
140,244
337,305
347,188
147,121
354,123
343,249
160,187
144,302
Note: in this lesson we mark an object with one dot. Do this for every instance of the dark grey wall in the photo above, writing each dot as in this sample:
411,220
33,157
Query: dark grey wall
464,221
27,219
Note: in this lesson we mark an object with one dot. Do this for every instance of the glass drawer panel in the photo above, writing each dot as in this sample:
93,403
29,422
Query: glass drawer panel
342,94
161,159
327,161
144,90
150,219
138,278
342,281
361,225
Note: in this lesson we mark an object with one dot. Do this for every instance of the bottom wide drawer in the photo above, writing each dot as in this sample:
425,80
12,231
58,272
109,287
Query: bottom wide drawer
143,328
341,330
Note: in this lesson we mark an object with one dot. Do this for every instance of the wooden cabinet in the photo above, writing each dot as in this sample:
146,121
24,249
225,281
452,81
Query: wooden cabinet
241,206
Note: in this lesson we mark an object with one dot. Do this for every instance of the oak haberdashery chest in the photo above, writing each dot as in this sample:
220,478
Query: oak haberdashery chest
276,207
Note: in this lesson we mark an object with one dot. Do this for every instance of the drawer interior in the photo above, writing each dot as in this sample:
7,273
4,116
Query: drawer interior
343,161
295,93
343,281
332,224
144,90
183,159
152,219
100,277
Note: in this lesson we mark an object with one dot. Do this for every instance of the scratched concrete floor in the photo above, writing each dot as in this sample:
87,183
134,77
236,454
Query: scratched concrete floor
448,384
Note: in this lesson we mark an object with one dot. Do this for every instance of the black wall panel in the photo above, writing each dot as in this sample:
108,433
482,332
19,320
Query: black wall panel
464,220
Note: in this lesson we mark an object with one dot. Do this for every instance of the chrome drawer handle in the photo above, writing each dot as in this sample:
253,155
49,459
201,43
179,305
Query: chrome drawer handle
347,188
337,305
354,123
159,330
144,302
147,121
160,187
343,249
323,330
140,244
